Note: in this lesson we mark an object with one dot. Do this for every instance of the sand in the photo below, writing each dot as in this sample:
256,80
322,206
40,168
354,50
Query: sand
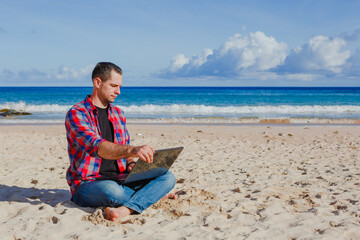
233,182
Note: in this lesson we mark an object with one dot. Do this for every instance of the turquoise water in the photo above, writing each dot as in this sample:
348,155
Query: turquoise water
51,103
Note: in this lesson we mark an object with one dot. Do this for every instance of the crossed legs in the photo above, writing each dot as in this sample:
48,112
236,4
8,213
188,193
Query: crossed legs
122,200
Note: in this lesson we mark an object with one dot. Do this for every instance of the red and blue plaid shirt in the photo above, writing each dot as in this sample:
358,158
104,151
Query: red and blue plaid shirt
84,136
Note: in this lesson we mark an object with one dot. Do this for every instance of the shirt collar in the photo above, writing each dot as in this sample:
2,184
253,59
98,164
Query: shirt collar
91,107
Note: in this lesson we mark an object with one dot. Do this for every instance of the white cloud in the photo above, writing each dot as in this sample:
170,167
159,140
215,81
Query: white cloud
61,76
198,61
253,52
321,53
260,57
257,51
71,73
178,62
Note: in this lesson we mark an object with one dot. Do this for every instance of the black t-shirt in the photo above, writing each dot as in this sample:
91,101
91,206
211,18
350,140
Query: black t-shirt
107,167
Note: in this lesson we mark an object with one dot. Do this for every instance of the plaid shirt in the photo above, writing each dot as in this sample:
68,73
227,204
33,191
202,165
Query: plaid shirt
84,136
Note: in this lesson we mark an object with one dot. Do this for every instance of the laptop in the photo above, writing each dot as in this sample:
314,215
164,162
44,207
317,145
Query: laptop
162,161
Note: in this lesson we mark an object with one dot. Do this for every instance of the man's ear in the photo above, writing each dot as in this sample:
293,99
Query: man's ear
97,82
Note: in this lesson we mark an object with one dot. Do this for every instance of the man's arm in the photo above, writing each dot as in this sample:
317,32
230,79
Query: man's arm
80,132
114,151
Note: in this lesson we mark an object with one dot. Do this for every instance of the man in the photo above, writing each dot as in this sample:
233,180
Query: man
100,154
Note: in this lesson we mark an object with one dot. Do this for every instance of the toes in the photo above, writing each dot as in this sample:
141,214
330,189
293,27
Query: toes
172,196
109,214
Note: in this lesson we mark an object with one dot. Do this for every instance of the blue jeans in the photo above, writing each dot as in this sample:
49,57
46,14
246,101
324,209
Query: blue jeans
137,196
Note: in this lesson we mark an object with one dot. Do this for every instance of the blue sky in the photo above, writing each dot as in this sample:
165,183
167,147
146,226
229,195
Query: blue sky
181,43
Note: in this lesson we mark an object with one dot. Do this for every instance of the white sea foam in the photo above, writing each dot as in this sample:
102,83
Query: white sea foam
235,121
200,110
215,121
45,108
215,110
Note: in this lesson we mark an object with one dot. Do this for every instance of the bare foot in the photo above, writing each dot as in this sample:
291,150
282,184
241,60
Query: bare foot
113,214
169,196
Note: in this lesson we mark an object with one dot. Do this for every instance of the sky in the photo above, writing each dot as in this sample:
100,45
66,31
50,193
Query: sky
181,43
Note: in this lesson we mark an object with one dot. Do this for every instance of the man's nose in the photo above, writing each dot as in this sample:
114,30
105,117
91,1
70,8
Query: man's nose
117,91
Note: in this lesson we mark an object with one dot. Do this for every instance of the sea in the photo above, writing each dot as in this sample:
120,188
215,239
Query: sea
194,105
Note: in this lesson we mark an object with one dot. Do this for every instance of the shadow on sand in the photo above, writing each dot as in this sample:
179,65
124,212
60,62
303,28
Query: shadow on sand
35,196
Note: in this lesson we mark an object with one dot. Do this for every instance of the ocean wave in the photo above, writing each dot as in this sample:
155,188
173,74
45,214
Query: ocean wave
46,108
209,120
198,110
240,121
209,110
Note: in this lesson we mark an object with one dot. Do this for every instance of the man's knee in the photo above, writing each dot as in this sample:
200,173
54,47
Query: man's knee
113,195
170,179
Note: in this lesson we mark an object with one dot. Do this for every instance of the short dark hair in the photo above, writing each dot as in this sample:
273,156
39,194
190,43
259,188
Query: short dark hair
103,70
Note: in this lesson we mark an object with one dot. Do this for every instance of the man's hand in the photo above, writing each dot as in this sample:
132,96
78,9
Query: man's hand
130,163
144,152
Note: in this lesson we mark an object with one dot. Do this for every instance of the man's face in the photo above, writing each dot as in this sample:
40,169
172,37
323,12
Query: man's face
109,90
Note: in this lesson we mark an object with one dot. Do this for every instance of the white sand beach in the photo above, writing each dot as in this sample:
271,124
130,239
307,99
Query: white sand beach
233,182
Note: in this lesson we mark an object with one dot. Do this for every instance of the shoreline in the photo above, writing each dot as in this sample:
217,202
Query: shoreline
212,122
199,124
